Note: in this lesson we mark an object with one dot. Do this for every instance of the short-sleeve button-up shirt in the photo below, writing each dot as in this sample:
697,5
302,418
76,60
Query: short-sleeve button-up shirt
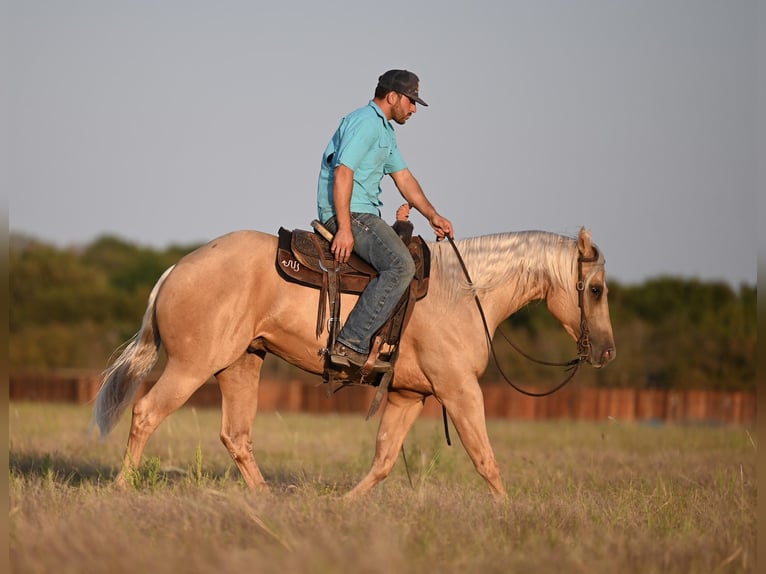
364,142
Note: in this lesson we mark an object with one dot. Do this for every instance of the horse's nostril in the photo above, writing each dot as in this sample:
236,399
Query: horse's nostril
608,355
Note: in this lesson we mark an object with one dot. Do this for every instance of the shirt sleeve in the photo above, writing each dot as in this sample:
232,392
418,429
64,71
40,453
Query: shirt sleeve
395,161
356,140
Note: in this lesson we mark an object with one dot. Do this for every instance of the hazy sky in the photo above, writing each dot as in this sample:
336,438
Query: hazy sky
175,121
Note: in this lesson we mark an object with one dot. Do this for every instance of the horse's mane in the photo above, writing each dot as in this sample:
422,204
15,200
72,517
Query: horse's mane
525,259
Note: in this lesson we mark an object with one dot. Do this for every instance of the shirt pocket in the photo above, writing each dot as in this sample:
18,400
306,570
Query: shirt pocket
383,151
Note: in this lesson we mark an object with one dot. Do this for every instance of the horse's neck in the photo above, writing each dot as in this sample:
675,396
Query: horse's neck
507,271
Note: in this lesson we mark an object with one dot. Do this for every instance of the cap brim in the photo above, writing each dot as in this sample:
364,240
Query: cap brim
416,99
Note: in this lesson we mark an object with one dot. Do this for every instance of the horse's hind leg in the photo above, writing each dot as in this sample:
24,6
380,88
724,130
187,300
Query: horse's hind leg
239,391
172,389
401,411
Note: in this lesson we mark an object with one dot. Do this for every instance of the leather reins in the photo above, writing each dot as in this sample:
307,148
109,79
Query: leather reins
583,342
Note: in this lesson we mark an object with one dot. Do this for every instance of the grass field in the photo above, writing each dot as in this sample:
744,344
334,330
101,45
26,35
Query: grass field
584,497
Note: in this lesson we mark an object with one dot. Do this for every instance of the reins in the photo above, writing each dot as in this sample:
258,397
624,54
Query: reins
583,342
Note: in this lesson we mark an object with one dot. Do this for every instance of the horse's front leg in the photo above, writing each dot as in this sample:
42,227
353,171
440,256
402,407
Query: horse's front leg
401,410
465,406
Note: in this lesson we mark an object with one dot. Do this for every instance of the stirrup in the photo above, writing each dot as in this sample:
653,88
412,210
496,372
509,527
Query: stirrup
378,366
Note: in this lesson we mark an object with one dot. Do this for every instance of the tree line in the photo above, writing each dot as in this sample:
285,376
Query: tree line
71,308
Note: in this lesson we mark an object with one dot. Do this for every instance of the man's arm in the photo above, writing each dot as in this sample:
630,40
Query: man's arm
343,185
410,189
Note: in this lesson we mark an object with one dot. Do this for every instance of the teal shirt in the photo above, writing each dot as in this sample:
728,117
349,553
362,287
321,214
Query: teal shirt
365,143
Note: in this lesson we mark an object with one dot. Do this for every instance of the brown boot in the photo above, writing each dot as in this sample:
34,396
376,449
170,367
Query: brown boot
343,356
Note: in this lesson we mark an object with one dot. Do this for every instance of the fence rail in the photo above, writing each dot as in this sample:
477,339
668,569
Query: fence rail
573,402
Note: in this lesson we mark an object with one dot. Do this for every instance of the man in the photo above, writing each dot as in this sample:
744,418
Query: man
360,153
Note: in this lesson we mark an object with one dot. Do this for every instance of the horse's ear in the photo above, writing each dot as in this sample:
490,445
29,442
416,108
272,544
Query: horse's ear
584,243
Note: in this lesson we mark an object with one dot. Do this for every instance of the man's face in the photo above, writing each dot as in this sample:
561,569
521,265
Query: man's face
402,109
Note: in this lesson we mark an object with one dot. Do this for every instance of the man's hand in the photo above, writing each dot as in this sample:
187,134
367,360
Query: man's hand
410,189
342,245
342,189
441,226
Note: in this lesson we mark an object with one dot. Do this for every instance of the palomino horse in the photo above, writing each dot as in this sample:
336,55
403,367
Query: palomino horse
221,308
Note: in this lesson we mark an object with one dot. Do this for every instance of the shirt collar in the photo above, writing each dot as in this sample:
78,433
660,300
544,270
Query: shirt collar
380,113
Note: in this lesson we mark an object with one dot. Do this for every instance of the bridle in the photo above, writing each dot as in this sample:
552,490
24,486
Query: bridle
583,341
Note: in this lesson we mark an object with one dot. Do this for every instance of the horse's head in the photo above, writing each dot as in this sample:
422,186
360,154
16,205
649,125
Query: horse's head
582,306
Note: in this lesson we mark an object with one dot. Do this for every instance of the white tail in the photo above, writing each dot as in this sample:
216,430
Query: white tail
125,375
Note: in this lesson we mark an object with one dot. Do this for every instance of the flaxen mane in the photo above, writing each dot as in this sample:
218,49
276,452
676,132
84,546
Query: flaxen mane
525,259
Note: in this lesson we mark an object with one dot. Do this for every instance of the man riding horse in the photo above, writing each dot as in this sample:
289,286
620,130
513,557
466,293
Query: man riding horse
221,309
363,150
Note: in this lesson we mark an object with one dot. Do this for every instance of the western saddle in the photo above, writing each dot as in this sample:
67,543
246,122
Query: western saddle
304,257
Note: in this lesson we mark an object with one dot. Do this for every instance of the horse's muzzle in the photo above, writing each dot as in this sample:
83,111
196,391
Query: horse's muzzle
607,356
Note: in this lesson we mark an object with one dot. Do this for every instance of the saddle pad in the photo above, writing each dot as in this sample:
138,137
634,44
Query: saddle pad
305,266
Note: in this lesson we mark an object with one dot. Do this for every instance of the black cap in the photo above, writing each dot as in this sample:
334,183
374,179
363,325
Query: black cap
403,82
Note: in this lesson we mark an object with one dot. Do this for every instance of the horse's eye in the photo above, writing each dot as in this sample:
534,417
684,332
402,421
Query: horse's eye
596,291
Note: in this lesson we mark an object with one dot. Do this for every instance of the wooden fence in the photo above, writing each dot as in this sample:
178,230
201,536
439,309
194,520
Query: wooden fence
573,402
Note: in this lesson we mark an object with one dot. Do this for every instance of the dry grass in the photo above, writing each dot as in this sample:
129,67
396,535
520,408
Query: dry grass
583,498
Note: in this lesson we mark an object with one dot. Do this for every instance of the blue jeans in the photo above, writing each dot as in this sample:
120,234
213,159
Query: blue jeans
377,243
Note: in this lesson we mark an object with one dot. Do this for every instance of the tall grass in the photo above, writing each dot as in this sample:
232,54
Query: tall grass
583,498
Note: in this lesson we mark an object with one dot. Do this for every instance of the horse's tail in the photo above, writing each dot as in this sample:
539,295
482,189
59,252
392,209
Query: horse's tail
122,379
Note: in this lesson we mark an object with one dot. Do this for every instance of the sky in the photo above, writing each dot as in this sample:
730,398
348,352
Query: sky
176,121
